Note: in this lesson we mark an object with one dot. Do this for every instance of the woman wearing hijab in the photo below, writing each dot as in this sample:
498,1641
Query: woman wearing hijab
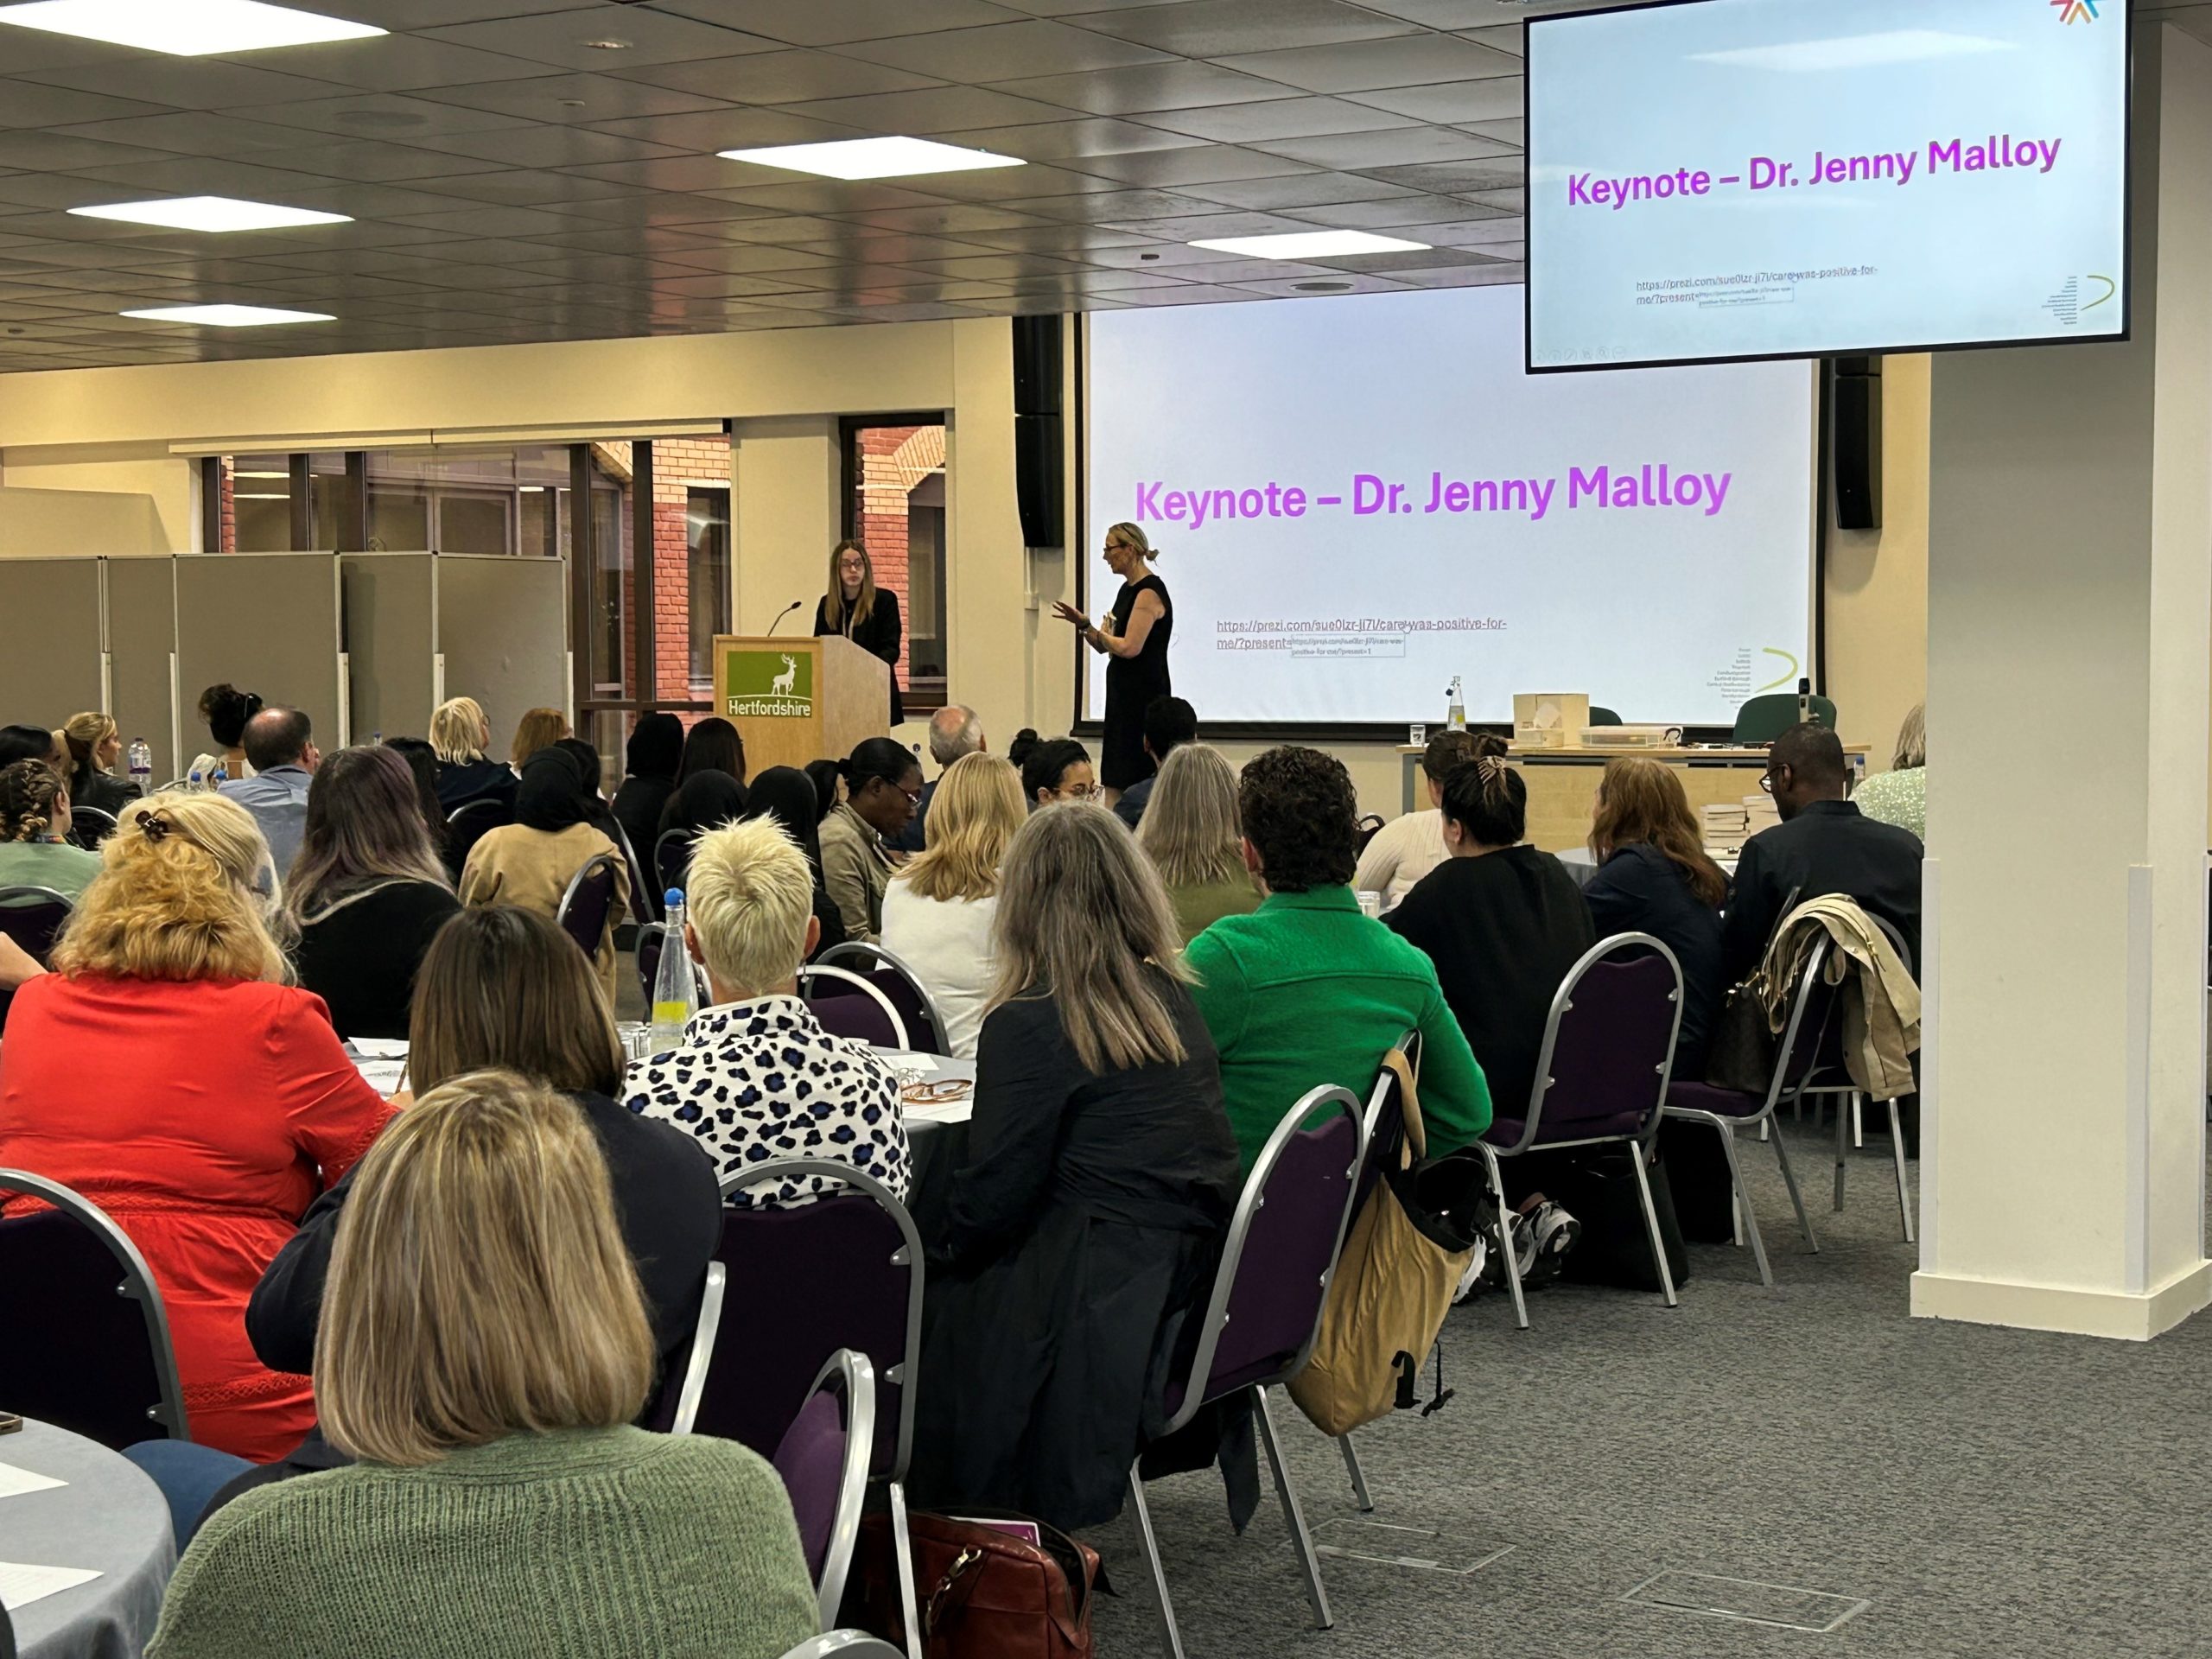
655,749
531,862
785,794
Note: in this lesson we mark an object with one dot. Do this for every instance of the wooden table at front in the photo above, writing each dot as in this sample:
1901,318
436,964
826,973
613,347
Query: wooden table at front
1562,783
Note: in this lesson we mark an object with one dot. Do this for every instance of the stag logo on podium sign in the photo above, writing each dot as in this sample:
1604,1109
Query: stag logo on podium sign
777,684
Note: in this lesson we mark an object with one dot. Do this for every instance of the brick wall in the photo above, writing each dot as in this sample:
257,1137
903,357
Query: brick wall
892,459
679,466
230,508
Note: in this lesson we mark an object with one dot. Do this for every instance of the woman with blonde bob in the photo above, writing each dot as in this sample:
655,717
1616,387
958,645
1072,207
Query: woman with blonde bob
939,911
1099,1173
539,729
460,734
222,1105
1190,832
483,1351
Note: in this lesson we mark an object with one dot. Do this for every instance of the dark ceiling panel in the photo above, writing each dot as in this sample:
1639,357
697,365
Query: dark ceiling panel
1284,117
1366,66
783,76
830,22
1455,103
1218,29
1005,51
182,83
942,109
1170,84
604,37
568,100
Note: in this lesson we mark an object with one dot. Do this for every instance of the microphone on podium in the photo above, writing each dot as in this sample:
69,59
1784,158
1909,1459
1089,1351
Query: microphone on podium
781,614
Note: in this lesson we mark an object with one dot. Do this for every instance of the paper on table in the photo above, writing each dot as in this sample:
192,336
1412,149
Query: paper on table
384,1075
21,1583
378,1048
911,1067
14,1481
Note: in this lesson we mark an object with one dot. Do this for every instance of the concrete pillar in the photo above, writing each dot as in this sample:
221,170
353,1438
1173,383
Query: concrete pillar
2069,657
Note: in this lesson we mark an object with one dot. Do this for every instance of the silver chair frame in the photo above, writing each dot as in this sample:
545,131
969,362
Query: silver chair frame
1896,938
1763,1119
849,1373
137,1285
1216,1318
607,861
843,1644
862,951
644,885
671,940
99,815
1562,1000
814,971
906,1373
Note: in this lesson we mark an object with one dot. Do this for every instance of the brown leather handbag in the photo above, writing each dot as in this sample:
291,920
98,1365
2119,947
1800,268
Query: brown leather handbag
984,1594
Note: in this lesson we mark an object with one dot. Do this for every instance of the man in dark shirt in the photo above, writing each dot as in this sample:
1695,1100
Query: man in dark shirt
1823,845
1169,722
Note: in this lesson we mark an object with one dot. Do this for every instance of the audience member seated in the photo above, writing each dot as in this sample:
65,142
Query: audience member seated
33,743
1190,833
937,912
714,745
167,1072
1057,770
461,734
705,801
1086,1216
483,1351
1653,877
597,812
1169,722
954,731
1307,990
655,750
1899,796
280,746
225,709
882,782
1502,921
1025,743
827,777
756,1077
1412,844
786,796
1822,845
34,847
94,746
367,893
422,762
538,729
531,862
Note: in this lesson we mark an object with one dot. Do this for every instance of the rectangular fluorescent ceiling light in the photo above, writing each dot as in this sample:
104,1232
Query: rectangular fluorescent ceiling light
229,316
211,214
1311,244
186,29
870,158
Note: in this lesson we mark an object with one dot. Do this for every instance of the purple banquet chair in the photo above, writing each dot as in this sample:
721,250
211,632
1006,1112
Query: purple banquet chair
588,903
852,1005
1264,1311
900,987
1601,1076
824,1458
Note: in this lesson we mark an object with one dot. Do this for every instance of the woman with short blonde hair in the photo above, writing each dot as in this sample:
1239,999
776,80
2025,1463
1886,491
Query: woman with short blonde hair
1190,831
460,734
938,912
223,1105
483,1348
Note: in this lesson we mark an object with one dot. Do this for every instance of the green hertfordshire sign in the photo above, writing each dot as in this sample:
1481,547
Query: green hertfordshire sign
774,684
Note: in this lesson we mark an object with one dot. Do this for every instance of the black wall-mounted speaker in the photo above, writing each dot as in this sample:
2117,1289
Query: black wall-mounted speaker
1855,441
1040,446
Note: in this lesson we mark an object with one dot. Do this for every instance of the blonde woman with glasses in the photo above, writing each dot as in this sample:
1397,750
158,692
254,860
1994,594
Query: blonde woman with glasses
483,1348
1190,833
939,911
222,1105
1099,1172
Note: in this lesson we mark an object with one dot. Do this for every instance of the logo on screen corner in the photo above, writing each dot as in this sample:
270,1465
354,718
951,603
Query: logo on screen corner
2076,11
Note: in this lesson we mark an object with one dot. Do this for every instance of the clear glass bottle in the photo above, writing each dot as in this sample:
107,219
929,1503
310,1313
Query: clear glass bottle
142,767
676,990
1456,715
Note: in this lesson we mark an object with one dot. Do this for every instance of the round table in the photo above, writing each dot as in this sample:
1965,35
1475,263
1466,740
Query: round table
936,1138
109,1517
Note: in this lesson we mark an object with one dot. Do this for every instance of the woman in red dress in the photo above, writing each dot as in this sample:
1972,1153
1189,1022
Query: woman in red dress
167,1072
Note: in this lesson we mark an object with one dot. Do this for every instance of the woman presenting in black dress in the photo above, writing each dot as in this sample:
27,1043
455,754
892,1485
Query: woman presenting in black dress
865,613
1135,639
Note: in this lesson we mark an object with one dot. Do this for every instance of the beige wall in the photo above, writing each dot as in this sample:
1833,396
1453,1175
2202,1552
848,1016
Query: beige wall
59,523
110,430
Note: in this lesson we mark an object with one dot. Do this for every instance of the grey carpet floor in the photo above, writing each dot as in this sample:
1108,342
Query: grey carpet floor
1985,1491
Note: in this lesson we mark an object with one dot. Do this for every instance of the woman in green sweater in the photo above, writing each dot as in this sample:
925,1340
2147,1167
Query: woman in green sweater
482,1351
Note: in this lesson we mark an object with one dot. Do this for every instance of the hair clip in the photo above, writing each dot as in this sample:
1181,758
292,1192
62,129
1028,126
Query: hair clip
153,826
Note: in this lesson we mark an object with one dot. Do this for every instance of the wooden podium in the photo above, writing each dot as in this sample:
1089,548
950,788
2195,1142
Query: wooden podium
797,698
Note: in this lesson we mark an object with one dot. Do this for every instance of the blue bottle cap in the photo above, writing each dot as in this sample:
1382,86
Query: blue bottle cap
673,896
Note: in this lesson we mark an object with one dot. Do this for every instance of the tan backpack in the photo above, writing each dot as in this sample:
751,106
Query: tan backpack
1392,1286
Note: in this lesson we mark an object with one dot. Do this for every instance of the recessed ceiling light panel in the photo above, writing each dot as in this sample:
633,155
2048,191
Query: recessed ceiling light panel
229,316
872,158
211,214
1311,244
186,29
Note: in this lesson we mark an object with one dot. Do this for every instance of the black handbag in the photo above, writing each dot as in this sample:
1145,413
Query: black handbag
1741,1052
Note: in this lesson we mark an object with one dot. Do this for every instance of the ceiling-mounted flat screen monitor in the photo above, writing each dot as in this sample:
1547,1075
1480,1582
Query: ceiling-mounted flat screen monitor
1717,179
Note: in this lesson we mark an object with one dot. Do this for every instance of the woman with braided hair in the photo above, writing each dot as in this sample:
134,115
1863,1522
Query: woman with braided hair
34,850
223,1103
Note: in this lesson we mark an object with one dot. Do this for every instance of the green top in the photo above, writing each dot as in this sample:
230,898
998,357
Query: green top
1306,991
68,870
1199,906
589,1541
1898,797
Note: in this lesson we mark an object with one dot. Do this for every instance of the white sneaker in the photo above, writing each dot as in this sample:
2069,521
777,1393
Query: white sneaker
1472,1280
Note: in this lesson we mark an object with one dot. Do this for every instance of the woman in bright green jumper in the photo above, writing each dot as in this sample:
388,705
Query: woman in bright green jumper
482,1351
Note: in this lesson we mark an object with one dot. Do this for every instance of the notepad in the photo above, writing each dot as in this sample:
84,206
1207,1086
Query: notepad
14,1482
378,1048
21,1583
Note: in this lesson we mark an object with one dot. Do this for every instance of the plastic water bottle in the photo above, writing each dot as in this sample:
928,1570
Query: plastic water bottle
222,775
196,784
1456,715
676,991
142,767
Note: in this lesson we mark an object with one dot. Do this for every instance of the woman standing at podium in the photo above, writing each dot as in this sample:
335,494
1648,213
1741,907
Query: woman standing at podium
865,613
1135,639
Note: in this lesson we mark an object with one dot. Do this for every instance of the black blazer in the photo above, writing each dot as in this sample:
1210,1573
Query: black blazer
1640,890
361,958
1829,847
878,633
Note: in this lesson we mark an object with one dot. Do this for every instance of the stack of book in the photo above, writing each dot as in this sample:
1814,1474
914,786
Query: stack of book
1759,813
1725,825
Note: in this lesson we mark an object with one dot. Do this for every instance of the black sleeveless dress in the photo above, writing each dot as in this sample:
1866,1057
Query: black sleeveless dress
1131,682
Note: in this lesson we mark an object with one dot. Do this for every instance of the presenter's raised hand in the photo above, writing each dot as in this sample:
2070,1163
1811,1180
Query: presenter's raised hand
1068,613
